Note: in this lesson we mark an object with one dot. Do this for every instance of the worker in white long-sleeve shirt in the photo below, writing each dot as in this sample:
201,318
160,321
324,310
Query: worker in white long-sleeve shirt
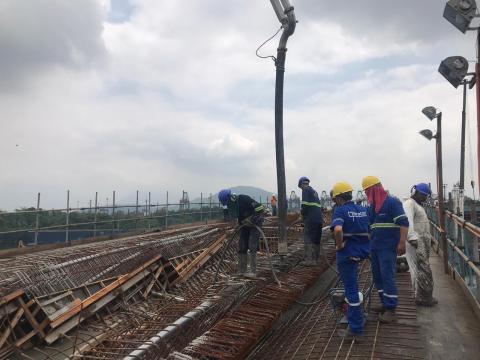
418,245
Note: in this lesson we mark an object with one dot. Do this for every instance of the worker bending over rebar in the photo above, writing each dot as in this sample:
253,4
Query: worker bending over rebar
250,215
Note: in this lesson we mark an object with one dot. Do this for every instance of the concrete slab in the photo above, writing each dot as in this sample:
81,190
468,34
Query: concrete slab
451,328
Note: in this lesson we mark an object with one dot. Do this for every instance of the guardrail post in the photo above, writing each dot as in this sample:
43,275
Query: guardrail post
37,220
166,214
149,208
113,214
95,215
136,213
210,207
67,225
201,206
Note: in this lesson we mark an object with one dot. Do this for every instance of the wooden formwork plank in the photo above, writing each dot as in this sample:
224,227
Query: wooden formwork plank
12,324
153,281
31,319
103,292
201,259
11,296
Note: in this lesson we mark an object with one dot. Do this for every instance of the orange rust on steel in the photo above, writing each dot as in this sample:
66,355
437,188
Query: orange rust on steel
234,336
109,288
313,333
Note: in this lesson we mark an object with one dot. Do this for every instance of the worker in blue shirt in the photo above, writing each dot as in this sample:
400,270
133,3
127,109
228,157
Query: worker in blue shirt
311,211
250,215
350,226
389,229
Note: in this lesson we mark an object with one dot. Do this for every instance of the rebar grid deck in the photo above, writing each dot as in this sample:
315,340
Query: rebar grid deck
313,334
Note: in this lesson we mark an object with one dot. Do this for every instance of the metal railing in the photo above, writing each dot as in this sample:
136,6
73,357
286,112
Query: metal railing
462,249
33,226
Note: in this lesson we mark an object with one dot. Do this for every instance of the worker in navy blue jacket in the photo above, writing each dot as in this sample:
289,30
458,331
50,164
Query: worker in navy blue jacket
250,215
389,229
351,227
313,219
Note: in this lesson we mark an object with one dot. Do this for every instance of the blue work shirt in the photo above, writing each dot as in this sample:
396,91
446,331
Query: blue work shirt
385,225
311,208
355,224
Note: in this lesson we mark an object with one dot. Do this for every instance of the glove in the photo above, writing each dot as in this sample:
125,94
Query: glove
246,221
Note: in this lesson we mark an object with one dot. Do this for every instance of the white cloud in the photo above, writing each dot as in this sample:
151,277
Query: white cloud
173,98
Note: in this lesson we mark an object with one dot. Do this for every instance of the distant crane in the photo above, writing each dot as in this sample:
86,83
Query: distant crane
184,201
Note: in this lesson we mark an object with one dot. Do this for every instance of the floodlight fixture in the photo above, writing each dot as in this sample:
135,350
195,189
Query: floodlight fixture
430,112
427,134
460,13
454,69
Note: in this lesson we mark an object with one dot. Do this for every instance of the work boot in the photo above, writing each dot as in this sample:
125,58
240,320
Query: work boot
348,335
388,316
427,303
308,259
380,309
242,264
253,266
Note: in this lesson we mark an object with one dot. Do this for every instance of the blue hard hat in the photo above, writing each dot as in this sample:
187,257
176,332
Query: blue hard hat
424,189
224,195
302,179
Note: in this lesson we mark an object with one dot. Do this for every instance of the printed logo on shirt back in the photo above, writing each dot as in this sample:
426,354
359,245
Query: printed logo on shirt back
354,214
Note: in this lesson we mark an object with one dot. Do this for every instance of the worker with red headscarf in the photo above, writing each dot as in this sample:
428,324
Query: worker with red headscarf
389,229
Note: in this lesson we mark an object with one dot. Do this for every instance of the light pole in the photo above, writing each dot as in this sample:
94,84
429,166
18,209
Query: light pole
286,15
431,113
455,69
460,14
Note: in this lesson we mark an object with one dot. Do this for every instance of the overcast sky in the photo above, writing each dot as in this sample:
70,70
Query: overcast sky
158,95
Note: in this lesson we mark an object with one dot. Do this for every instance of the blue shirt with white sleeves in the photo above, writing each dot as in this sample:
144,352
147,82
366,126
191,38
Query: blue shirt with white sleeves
355,224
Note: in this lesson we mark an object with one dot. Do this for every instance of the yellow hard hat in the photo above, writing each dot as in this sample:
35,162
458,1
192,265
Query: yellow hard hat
369,181
341,188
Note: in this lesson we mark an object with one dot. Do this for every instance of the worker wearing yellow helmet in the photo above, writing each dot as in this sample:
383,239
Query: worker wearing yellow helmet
350,225
389,228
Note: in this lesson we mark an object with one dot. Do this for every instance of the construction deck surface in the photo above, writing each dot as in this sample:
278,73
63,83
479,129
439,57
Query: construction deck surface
246,318
451,328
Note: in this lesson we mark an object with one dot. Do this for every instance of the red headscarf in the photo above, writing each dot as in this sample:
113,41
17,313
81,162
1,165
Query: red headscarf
376,195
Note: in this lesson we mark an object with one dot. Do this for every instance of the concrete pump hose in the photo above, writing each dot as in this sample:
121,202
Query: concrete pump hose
237,230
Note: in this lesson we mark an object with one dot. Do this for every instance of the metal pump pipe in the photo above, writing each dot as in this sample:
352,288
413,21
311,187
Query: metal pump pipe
286,15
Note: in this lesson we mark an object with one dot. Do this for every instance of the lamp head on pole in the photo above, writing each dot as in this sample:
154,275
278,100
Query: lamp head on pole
460,13
427,134
430,112
454,69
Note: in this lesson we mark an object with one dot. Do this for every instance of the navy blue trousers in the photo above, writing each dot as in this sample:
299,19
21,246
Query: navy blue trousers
348,269
384,268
